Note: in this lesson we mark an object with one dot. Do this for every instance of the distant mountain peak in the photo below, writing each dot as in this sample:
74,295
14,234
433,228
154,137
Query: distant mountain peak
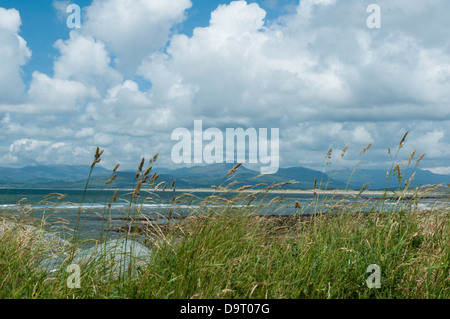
75,176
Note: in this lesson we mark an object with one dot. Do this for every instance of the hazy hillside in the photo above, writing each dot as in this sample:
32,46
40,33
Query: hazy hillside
48,176
204,177
377,178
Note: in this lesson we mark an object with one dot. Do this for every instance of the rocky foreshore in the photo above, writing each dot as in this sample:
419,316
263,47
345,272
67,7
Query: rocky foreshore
116,256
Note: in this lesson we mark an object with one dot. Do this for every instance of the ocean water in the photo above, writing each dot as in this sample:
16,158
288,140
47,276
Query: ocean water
98,214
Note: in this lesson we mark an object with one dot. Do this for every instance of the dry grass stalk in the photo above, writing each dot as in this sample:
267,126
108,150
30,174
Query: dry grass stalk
398,172
366,148
111,180
411,156
154,178
148,170
115,195
155,157
233,170
363,188
157,186
137,191
420,158
344,150
97,155
141,165
329,153
403,138
412,177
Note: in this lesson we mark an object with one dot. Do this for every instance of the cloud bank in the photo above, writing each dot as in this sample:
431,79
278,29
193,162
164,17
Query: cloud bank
317,73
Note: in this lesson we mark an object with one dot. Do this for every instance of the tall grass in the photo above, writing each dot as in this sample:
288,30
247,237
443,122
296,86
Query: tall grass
226,249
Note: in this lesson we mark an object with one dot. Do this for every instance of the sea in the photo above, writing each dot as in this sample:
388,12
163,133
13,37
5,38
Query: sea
98,213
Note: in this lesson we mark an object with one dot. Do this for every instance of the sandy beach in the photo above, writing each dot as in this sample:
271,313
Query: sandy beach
340,192
292,191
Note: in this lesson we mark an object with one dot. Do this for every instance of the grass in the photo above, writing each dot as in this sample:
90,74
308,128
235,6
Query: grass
226,249
241,256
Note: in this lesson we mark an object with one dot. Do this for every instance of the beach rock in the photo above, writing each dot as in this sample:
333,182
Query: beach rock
52,264
47,244
109,259
120,256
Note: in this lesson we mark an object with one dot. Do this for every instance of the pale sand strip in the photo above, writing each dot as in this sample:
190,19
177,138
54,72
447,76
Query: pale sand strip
291,191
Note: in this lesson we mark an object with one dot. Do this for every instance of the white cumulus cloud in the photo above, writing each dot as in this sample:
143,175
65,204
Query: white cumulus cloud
317,73
14,53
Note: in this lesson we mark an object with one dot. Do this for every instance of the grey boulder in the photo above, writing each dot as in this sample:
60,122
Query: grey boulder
111,259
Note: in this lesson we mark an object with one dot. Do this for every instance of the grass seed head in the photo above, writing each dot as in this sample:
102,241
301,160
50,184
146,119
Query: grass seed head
115,195
233,170
344,150
403,138
141,165
411,156
420,158
148,171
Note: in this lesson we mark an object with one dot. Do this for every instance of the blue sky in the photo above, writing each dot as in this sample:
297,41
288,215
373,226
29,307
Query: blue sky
42,26
135,71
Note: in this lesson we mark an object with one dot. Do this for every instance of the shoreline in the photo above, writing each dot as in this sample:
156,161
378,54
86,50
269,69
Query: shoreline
211,190
293,191
339,192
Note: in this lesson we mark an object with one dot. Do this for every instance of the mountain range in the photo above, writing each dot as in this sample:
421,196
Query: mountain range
64,176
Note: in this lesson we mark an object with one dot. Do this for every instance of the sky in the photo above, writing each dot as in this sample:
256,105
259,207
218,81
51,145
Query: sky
138,69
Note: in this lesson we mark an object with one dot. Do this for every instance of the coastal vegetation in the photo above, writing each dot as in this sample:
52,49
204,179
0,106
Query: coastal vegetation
225,248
